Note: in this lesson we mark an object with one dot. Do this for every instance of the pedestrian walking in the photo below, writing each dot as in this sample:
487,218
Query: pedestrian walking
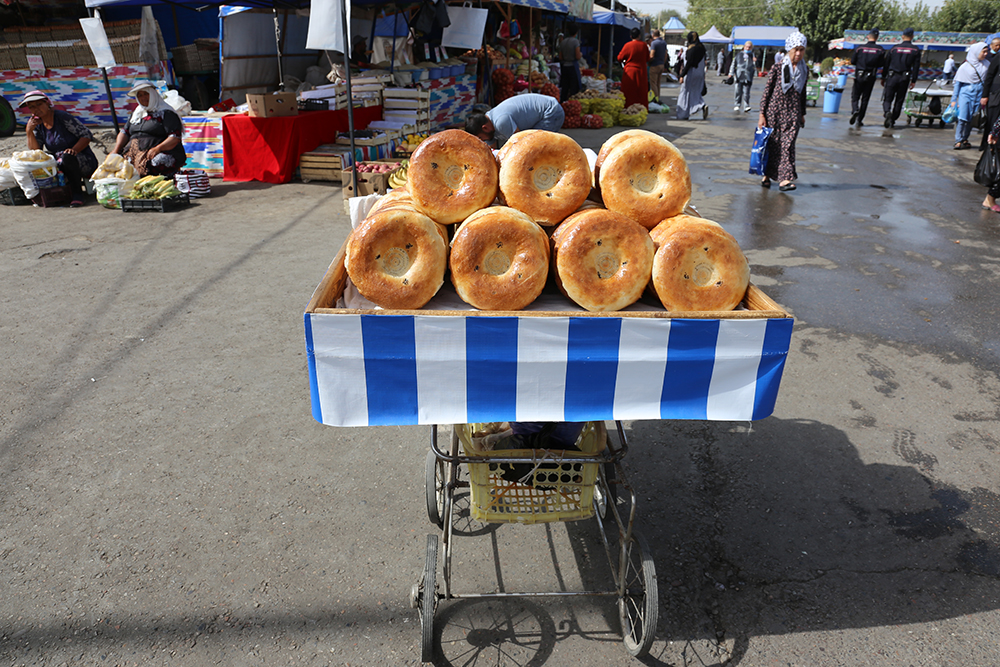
968,92
990,203
743,69
899,74
867,60
991,97
783,108
692,80
657,61
949,68
720,62
635,58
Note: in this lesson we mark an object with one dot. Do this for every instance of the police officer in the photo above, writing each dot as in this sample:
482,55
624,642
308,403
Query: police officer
899,74
867,60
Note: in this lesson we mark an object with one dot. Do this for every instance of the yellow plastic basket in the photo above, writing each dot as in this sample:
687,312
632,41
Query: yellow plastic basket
567,486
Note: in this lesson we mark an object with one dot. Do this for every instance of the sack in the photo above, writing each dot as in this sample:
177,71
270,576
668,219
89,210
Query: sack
758,153
194,182
33,170
987,171
949,114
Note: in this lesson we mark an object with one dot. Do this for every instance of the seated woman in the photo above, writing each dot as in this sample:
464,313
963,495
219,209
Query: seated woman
59,133
151,140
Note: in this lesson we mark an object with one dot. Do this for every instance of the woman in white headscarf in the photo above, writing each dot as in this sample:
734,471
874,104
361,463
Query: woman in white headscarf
783,108
968,90
151,140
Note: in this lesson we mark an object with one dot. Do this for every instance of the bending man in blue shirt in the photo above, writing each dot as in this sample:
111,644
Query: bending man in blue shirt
520,112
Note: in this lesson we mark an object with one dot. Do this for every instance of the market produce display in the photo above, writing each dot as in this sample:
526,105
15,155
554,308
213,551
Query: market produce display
154,187
633,116
591,121
503,84
452,175
601,260
114,166
410,142
499,259
698,265
397,258
544,174
645,178
550,89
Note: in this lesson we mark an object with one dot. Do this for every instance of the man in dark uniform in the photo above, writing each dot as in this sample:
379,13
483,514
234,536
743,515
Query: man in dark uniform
902,65
867,60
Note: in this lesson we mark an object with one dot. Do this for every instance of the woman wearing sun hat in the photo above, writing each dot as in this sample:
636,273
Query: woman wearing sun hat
783,108
151,140
59,133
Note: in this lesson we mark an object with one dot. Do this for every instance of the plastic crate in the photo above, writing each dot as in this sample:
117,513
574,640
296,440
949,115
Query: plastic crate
560,489
161,205
13,197
53,197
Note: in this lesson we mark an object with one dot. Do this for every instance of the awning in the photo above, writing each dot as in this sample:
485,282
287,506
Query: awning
762,35
607,17
557,6
674,26
928,41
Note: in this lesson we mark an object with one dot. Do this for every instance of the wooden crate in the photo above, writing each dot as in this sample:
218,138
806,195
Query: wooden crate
365,183
321,166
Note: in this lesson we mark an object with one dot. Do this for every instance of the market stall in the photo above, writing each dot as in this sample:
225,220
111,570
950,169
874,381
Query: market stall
268,149
924,40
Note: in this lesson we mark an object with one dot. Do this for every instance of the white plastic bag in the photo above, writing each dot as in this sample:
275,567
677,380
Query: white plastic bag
7,179
30,168
180,105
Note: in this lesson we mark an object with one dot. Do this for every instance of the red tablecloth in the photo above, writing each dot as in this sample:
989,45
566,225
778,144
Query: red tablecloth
268,149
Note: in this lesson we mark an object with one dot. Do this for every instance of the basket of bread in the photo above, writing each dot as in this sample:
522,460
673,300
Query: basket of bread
495,285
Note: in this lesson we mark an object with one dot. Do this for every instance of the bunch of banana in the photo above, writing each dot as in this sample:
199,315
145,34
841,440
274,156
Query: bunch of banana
397,179
154,187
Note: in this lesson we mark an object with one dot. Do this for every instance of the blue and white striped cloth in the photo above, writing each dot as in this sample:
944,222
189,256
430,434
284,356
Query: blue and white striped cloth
402,369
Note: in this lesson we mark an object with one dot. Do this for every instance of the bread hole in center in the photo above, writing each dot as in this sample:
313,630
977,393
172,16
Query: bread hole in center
496,262
453,176
703,274
607,265
546,178
395,262
645,182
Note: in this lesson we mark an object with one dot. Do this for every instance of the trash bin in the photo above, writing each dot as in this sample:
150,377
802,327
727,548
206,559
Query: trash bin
842,80
831,99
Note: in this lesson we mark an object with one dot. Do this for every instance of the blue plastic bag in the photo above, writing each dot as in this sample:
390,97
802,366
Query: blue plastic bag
758,154
950,114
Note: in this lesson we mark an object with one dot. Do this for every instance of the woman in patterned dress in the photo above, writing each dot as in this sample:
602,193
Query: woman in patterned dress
62,135
783,108
151,140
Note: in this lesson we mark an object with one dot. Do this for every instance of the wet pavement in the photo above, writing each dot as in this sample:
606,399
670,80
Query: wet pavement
167,499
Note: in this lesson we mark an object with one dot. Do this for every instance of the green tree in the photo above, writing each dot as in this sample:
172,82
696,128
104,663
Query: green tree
724,14
967,16
822,20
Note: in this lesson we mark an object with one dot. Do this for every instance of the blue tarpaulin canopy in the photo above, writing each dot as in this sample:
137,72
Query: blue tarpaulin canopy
762,35
608,17
674,25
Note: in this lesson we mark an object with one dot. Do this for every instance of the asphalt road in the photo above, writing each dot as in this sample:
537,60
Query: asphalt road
166,497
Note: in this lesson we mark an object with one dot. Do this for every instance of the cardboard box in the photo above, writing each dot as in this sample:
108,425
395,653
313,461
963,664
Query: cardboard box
362,184
272,106
453,366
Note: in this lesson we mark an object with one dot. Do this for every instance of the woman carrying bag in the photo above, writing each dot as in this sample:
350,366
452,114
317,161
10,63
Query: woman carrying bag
967,93
993,191
783,108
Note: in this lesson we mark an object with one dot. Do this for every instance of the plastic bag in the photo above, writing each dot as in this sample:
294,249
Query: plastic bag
7,179
109,192
194,182
949,114
33,169
987,171
758,154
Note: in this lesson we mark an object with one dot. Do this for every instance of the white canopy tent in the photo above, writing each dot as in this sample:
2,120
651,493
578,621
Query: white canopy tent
713,36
